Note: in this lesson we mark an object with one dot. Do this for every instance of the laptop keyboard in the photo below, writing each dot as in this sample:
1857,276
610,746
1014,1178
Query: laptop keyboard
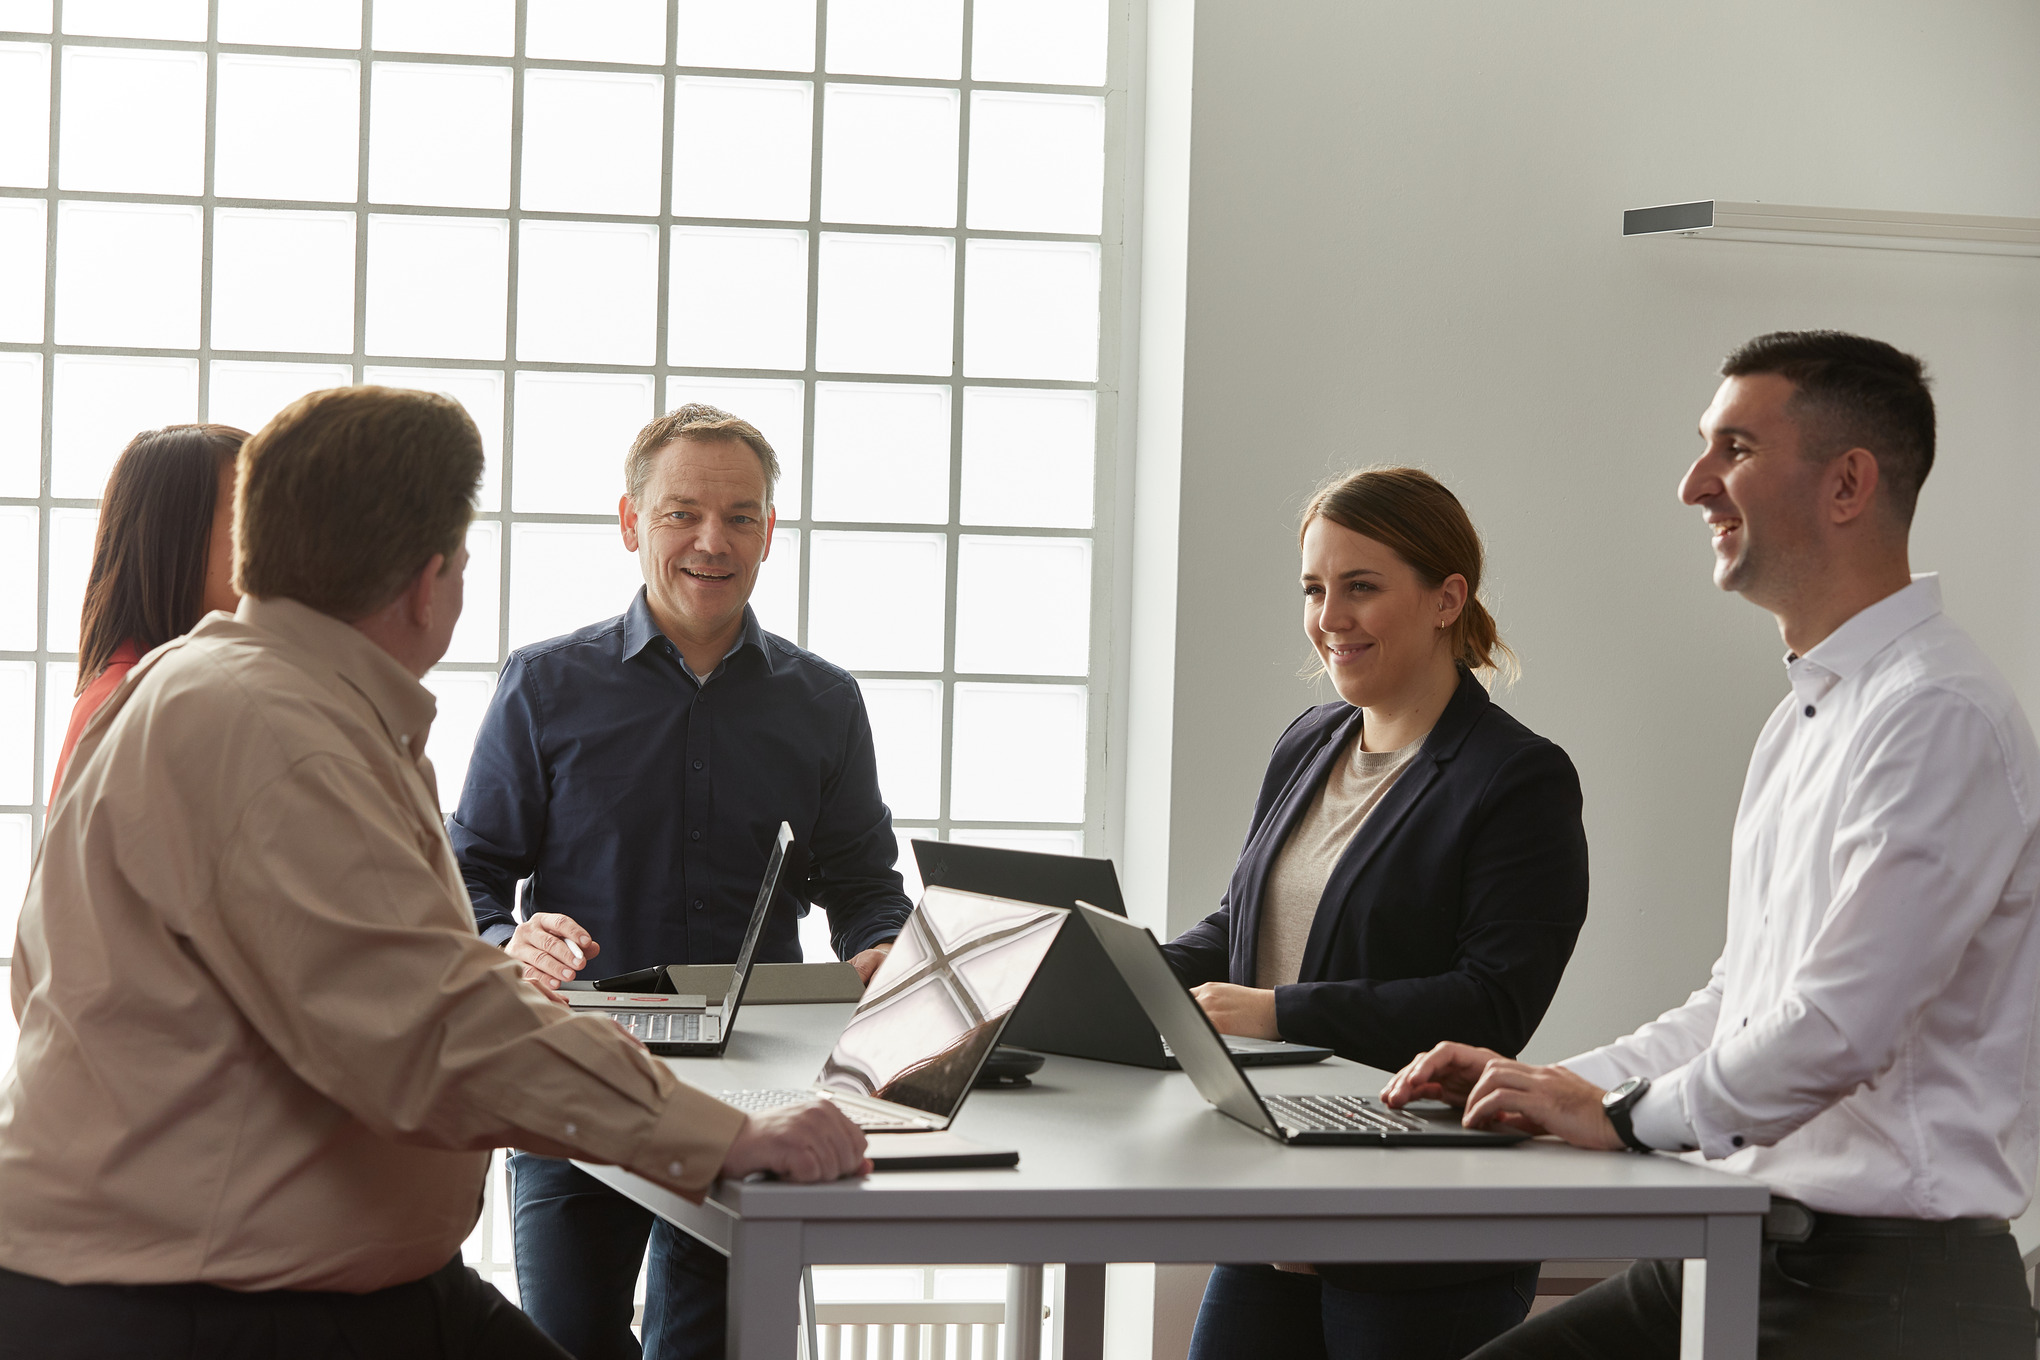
868,1120
1339,1114
665,1027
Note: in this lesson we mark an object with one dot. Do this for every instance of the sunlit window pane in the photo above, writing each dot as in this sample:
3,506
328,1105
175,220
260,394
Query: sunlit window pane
24,247
759,35
439,135
60,688
775,599
886,304
1040,841
101,402
25,16
875,600
572,430
1037,162
587,292
740,147
21,567
246,394
896,38
301,23
596,30
71,534
288,127
475,635
479,390
882,453
133,121
15,830
482,28
463,697
1027,456
906,727
21,389
566,576
591,142
283,281
889,155
1023,605
739,299
772,405
25,113
178,20
1018,753
127,274
1030,310
436,286
17,737
1039,42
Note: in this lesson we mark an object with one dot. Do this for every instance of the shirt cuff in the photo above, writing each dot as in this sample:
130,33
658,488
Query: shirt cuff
498,934
1660,1118
685,1149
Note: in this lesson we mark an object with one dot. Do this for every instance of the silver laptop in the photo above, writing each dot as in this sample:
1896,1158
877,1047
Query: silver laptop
1331,1118
931,1015
688,1026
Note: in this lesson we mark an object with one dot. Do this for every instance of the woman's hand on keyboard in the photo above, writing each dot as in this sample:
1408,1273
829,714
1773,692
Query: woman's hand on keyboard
812,1141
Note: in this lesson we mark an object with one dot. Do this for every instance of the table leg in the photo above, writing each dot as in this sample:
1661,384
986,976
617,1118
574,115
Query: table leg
1083,1312
765,1289
1719,1319
1023,1312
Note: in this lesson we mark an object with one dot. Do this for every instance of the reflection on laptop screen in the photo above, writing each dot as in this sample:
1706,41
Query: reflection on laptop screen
937,1003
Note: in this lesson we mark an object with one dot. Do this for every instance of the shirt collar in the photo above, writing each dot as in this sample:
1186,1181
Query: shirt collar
640,632
405,707
1850,647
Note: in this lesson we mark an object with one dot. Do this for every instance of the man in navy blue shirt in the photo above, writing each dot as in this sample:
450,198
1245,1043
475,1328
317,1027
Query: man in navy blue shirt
631,775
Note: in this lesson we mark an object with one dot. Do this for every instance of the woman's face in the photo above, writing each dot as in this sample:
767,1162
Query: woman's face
219,559
1383,635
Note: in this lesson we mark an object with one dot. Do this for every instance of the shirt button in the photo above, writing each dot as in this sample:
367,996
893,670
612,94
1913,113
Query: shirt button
1737,1140
697,764
699,905
694,835
1809,713
672,1168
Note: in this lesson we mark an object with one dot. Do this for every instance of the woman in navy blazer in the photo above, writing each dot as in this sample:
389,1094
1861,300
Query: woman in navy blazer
1450,911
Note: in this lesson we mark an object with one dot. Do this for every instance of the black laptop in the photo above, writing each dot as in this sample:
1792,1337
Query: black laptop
674,1025
1078,1005
1334,1117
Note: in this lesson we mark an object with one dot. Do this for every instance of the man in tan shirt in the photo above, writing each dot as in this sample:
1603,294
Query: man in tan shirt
263,1053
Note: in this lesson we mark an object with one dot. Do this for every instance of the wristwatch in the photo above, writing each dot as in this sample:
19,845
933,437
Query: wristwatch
1618,1103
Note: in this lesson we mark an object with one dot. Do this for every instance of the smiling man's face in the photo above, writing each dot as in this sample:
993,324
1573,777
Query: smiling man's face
700,534
1758,493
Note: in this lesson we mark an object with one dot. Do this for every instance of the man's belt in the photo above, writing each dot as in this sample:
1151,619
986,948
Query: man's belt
1790,1221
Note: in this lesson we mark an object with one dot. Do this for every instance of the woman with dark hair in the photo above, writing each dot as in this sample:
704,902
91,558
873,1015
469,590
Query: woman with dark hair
1416,870
163,558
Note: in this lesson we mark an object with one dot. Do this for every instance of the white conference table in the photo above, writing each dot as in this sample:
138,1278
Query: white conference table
1124,1164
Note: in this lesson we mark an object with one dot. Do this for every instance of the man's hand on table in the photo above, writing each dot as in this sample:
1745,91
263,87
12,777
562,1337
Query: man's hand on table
1498,1091
1248,1012
813,1141
867,962
553,949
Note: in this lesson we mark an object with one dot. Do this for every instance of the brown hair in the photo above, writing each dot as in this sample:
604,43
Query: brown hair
695,420
1413,514
346,494
155,535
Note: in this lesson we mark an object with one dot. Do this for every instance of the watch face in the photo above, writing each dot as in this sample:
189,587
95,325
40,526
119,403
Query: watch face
1621,1092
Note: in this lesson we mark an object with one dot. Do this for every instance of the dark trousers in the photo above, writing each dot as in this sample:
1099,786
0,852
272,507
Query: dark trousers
451,1314
579,1245
1836,1296
1257,1310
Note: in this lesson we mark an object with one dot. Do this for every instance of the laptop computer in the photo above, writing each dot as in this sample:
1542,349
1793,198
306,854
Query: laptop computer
686,1026
1329,1118
1079,1006
931,1014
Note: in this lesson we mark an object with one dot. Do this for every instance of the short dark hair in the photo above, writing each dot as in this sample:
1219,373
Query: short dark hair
696,420
346,494
1854,393
155,535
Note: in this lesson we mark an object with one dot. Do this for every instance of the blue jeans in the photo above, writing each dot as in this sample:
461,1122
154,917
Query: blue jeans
1252,1311
579,1245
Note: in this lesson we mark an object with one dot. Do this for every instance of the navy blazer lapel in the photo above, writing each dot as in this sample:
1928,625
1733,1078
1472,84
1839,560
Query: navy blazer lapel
1252,877
1440,746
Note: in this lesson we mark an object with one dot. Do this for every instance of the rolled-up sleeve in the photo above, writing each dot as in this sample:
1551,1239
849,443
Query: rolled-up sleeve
351,957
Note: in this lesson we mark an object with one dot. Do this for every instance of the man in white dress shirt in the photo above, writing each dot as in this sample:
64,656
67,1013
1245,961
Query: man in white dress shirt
1866,1045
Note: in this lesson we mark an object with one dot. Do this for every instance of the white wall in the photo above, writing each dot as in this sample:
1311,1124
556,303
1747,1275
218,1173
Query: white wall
1404,245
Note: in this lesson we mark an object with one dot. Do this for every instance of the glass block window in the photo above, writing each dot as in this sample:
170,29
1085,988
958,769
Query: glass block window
884,231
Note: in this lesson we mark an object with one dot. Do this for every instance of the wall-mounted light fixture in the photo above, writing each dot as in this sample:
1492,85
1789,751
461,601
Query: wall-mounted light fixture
1783,223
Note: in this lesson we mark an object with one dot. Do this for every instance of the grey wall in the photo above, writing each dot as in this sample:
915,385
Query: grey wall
1403,245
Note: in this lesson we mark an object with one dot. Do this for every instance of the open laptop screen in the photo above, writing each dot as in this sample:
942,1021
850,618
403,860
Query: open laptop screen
936,1005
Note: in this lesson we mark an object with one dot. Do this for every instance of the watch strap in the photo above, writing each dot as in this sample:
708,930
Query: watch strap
1618,1111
